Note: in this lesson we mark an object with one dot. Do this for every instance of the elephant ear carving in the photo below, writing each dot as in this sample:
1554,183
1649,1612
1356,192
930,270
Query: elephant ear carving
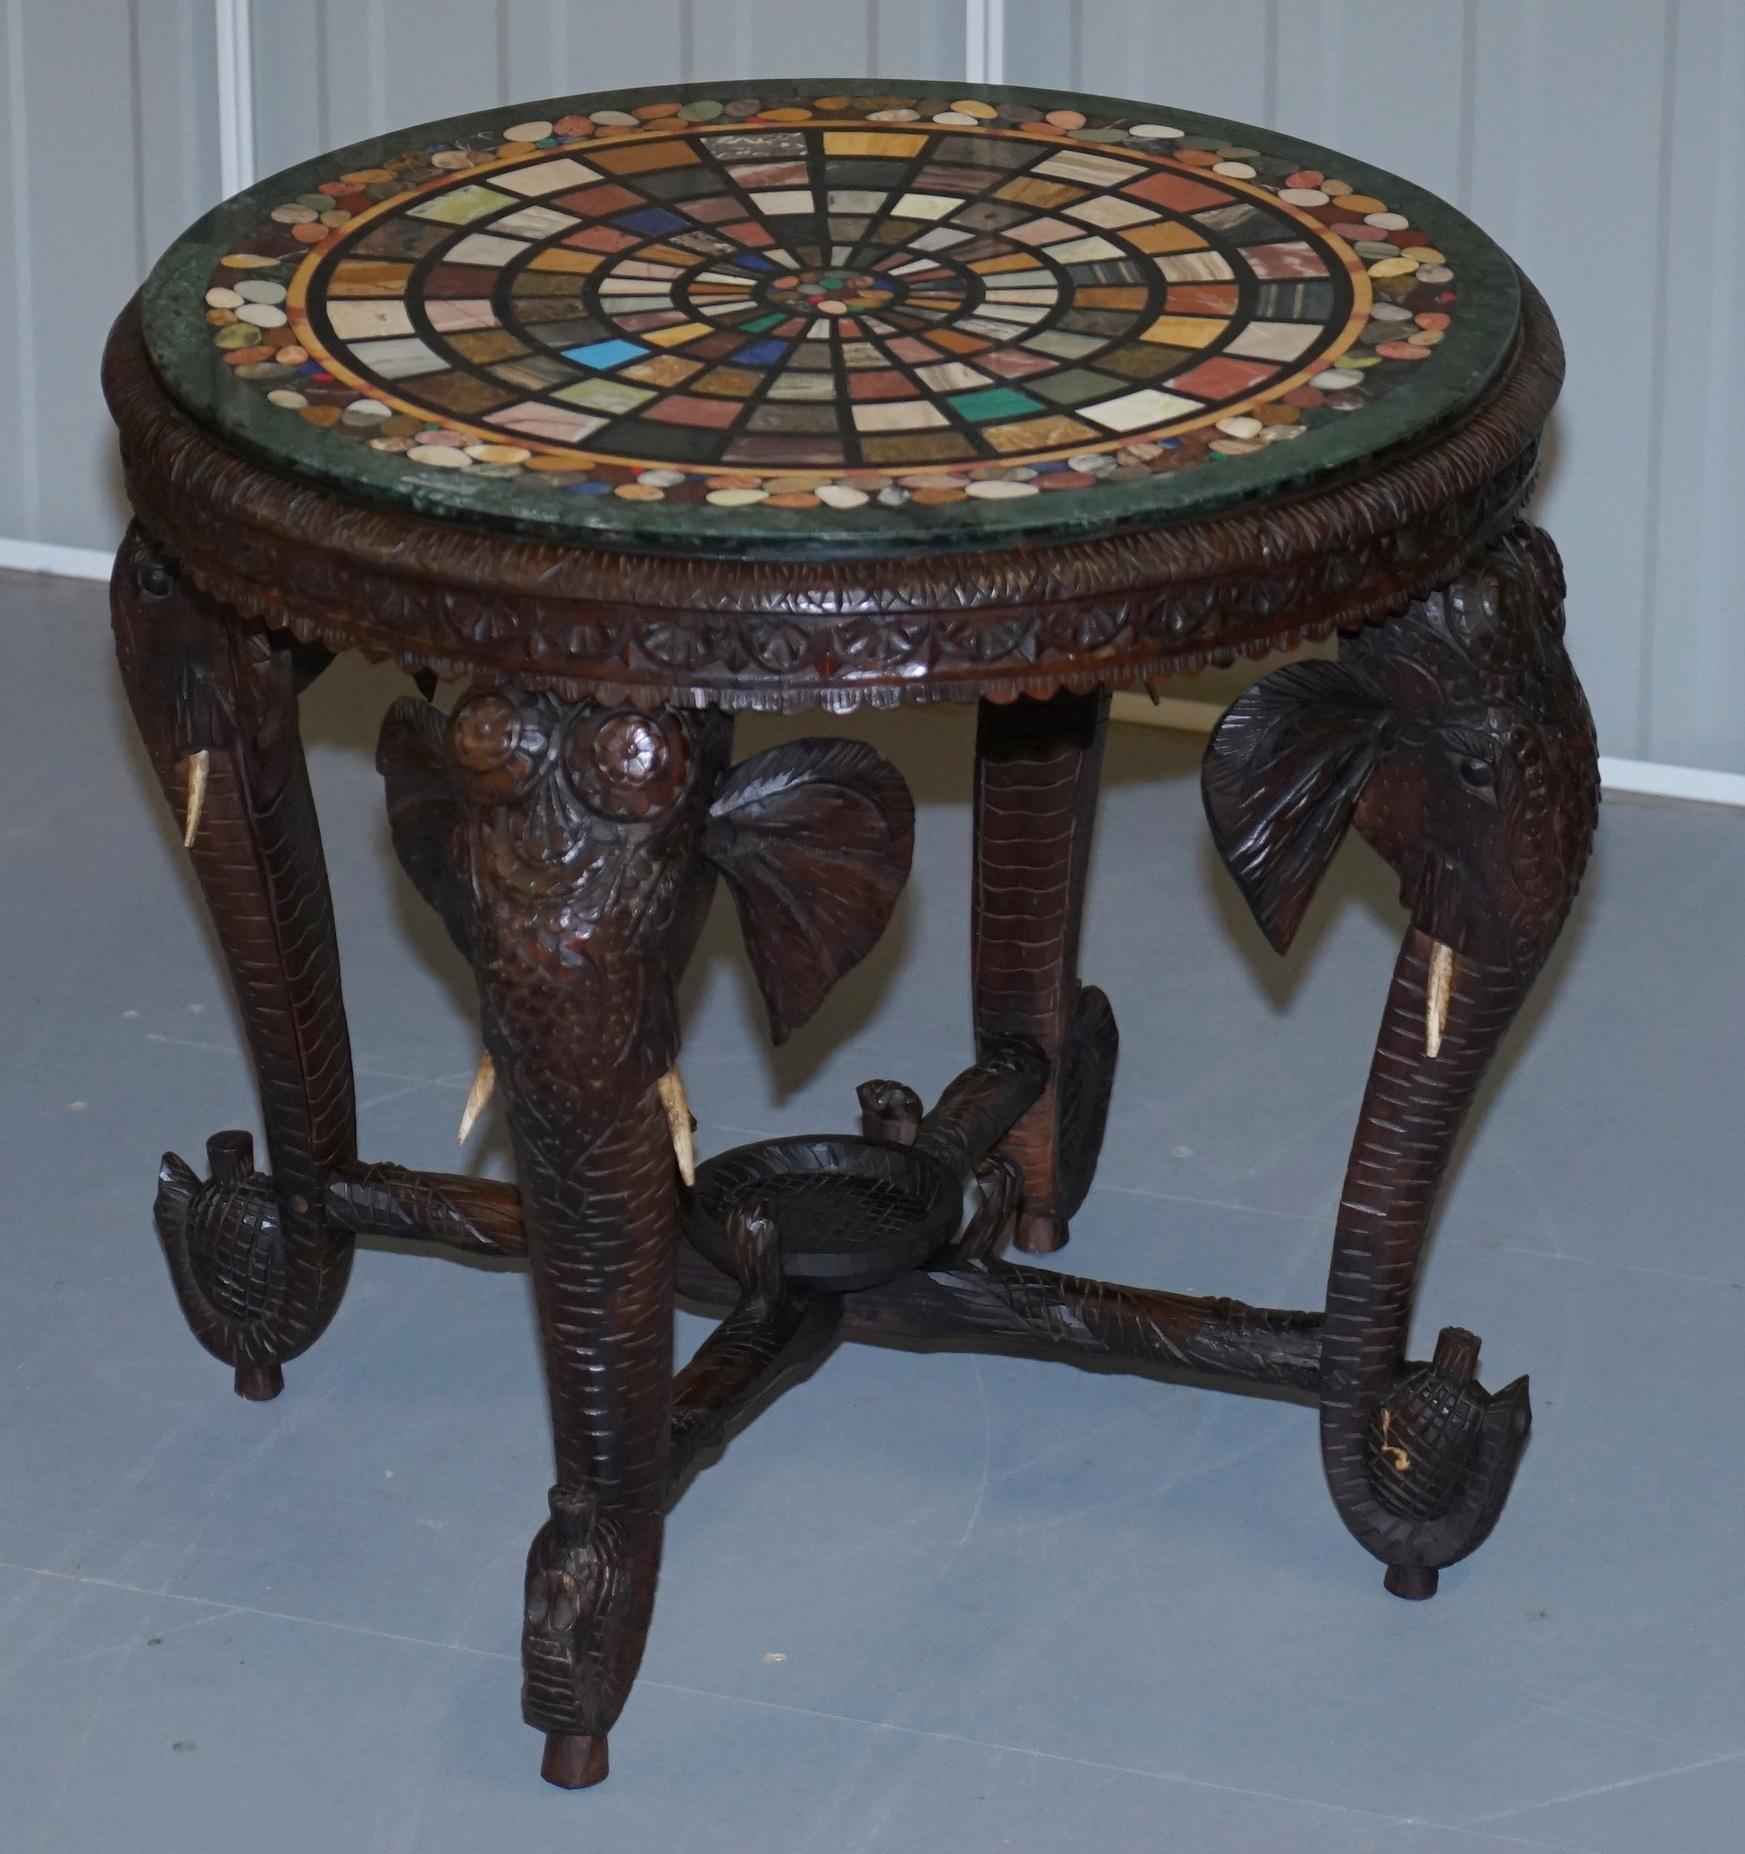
1281,778
814,839
423,810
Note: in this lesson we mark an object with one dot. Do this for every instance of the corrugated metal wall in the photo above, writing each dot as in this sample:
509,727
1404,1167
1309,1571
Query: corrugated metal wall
1600,140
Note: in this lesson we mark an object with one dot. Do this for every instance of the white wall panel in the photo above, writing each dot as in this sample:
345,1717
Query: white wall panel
1601,142
555,45
330,71
886,38
1599,495
107,132
1218,55
1693,665
1328,86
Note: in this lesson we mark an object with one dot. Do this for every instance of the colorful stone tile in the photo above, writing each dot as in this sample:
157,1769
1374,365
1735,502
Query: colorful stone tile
610,396
1224,377
460,205
602,354
360,321
486,248
542,177
1141,411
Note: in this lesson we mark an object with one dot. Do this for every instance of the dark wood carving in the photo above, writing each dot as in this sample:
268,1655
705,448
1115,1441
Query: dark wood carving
468,1215
1036,774
571,850
814,840
568,822
853,1213
771,1332
215,704
794,634
1457,739
966,1293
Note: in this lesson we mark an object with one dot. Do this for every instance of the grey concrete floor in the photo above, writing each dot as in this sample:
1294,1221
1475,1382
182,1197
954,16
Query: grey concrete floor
930,1600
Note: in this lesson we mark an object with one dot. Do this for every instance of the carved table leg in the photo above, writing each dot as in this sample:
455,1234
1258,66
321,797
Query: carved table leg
1457,739
1037,766
580,845
258,1267
571,849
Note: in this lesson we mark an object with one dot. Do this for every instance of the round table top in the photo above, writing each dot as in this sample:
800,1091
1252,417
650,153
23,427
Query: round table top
807,320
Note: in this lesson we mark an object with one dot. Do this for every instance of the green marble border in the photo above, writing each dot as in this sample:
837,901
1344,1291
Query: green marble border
1479,342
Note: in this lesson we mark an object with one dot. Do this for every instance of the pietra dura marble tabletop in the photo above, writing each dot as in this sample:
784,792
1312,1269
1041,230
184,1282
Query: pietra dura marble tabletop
618,413
838,325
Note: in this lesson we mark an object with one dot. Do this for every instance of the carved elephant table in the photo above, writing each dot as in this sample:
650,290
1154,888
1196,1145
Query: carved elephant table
617,414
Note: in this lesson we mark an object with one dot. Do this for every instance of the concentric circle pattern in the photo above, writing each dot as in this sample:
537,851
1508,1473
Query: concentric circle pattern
852,306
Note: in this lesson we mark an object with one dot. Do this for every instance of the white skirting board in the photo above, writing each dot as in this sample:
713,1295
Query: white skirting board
1647,778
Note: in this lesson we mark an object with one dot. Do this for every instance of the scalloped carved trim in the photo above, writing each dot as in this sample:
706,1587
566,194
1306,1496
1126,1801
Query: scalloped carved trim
788,635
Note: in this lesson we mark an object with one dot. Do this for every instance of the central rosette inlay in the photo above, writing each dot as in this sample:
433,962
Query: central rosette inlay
833,292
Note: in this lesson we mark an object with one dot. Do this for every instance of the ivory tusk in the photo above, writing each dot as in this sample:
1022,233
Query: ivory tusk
484,1080
1437,991
671,1088
197,767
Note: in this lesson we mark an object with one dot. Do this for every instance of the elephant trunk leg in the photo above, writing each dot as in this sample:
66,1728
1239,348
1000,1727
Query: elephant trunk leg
599,1203
601,1232
257,1267
1036,774
576,885
1419,1460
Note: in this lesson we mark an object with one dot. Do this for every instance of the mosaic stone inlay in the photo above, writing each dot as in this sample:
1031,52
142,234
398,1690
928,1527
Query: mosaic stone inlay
827,303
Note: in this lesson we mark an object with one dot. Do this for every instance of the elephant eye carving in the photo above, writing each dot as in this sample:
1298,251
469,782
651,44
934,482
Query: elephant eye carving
1473,757
628,765
498,743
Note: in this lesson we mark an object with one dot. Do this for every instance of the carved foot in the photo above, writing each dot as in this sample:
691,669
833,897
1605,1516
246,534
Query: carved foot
1422,1440
573,1760
1415,1583
1037,1233
1440,1456
224,1242
590,1581
259,1383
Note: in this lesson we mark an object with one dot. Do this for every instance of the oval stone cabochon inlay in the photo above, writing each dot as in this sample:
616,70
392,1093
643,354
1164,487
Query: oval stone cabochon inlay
728,317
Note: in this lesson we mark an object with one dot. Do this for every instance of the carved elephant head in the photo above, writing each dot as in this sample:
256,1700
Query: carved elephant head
1455,737
594,834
